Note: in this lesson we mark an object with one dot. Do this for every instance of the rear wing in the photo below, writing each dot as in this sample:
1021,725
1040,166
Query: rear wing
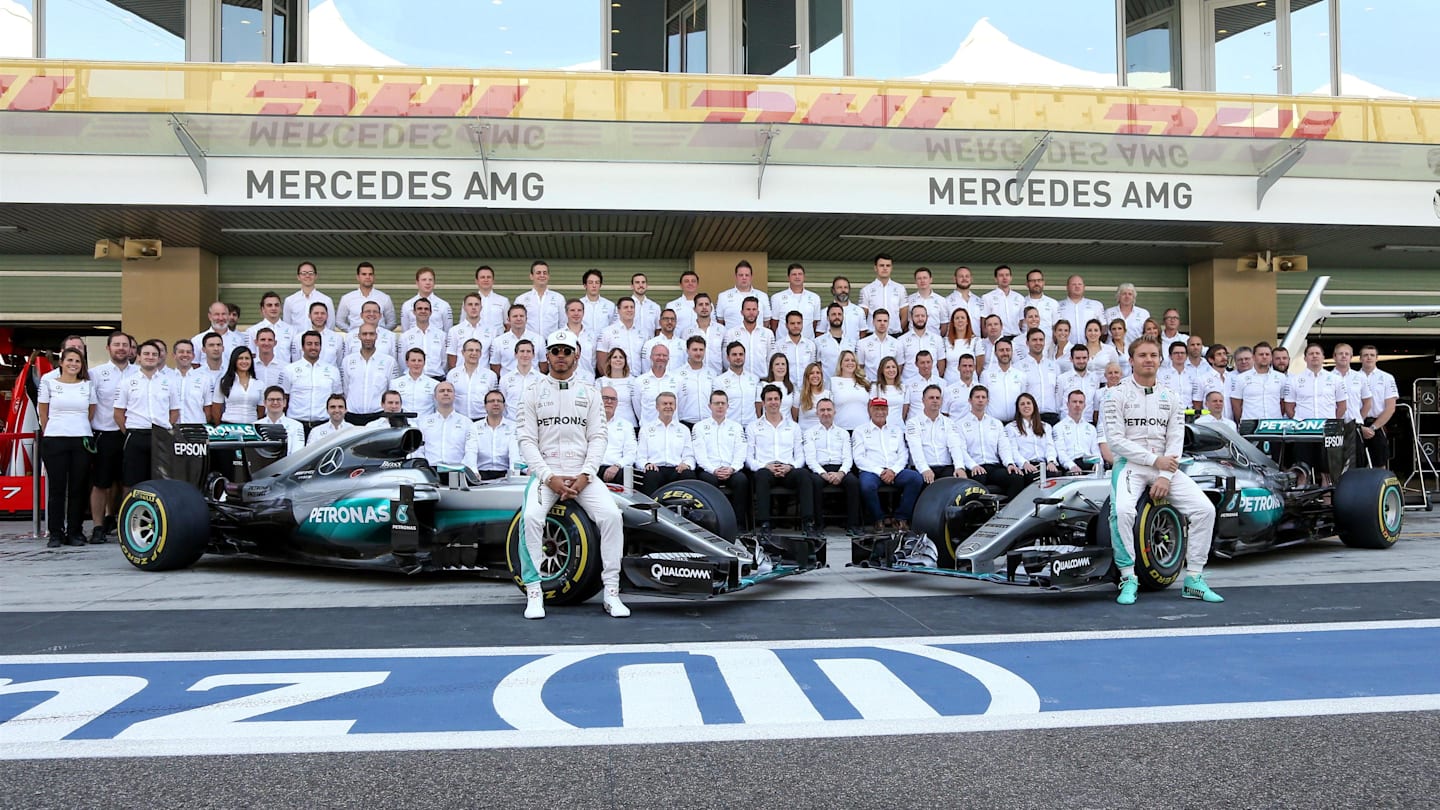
1338,439
192,452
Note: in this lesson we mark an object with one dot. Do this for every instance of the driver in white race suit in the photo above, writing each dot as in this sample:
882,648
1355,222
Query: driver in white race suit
562,438
1144,424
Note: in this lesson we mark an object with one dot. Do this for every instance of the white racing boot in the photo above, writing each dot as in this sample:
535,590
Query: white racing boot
534,601
613,605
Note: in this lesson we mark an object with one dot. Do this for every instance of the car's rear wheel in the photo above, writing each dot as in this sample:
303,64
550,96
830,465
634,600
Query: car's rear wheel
1369,508
702,504
1160,537
947,534
163,525
569,564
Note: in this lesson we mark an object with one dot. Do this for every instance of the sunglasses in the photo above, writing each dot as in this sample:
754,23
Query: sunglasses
562,351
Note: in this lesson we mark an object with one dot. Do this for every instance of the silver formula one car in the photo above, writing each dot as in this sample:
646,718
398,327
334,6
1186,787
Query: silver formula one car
358,500
1056,534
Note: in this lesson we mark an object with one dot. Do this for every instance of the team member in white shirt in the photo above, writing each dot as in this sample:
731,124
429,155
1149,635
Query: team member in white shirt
1077,445
503,345
742,387
1383,397
219,316
490,449
665,452
1042,376
309,383
1030,439
960,339
347,314
195,385
298,305
918,339
957,394
647,311
1170,332
925,377
936,307
336,411
513,383
544,308
714,334
878,451
471,380
853,320
884,293
416,389
239,394
1004,302
446,431
831,342
599,312
936,449
965,298
622,334
575,325
275,405
1212,378
652,384
1260,390
850,390
109,441
757,340
719,445
730,303
1048,307
384,338
684,306
271,310
1214,408
66,405
799,349
775,457
1358,398
988,445
620,444
268,362
470,327
1081,377
425,336
332,343
829,457
878,345
666,336
1314,393
795,298
1077,309
442,315
693,383
1126,310
365,377
1003,381
493,306
1178,375
144,401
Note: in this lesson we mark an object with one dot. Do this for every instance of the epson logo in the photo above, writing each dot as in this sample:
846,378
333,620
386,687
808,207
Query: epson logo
190,449
1061,566
351,514
657,570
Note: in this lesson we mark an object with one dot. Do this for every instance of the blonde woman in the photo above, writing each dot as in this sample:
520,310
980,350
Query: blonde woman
812,390
851,392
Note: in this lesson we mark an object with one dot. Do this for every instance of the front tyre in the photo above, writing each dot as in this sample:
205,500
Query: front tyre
570,554
701,503
163,525
1160,537
948,534
1369,508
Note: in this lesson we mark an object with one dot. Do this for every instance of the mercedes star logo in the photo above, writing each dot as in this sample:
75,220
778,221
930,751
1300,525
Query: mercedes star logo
330,462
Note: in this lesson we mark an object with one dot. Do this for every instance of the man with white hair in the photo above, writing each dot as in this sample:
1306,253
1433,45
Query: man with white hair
1126,310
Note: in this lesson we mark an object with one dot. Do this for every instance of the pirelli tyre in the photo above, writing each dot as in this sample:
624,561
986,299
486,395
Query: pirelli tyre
702,504
1160,537
932,511
570,563
163,525
1369,508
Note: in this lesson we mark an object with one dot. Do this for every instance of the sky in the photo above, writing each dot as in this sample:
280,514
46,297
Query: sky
1386,42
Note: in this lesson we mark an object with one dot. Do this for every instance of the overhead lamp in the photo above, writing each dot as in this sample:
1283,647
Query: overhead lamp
1410,248
1015,240
11,228
425,232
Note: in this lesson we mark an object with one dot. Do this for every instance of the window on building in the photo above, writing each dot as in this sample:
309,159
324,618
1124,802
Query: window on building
99,30
1152,43
508,34
1387,47
1047,42
17,29
827,38
1310,51
768,32
685,37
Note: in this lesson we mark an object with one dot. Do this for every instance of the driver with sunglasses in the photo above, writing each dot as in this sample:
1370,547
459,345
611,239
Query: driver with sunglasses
562,437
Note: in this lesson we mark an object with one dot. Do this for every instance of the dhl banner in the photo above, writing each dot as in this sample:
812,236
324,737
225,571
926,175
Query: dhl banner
602,96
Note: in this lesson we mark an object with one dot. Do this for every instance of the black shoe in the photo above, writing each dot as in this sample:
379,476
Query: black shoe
55,542
97,536
75,541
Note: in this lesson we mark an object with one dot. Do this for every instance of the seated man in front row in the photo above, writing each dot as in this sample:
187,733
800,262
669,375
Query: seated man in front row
879,453
665,453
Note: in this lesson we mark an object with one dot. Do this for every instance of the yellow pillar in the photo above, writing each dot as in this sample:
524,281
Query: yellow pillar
717,269
166,298
1236,308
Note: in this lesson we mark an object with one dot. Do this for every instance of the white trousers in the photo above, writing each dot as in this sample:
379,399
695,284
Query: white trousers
1129,482
599,505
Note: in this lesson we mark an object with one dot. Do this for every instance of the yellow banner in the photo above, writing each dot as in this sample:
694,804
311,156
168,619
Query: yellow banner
309,90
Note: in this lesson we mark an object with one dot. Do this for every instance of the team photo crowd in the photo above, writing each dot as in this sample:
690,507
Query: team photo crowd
873,388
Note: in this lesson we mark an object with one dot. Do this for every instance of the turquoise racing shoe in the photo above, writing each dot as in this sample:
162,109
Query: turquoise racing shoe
1129,587
1195,588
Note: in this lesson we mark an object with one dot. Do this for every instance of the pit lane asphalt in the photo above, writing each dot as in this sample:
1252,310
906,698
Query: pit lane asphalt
82,601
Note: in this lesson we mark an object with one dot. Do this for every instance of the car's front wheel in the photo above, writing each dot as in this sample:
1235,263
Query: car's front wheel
934,520
1369,508
700,503
1160,537
569,564
163,525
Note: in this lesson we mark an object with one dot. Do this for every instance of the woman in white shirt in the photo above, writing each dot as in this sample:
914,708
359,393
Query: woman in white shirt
617,376
850,391
888,386
1101,355
238,394
812,390
779,375
1031,438
960,339
1120,345
1059,348
66,406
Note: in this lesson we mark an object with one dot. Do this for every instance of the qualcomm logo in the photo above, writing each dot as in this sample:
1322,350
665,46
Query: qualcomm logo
657,571
1061,566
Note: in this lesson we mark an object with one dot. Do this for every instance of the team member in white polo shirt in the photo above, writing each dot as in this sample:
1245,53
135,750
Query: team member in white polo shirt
936,307
829,456
918,339
1077,309
758,340
730,302
446,431
275,404
384,338
667,337
196,385
268,362
416,389
426,336
684,306
1358,398
877,345
471,380
491,450
513,383
1260,390
622,335
652,384
309,383
1035,296
1003,380
853,315
797,346
144,401
332,343
347,314
298,304
66,404
271,310
493,306
775,456
502,346
936,448
795,298
719,445
365,376
693,383
219,316
647,311
335,411
884,293
620,445
544,308
714,334
599,312
470,327
831,342
1314,393
1383,397
1126,310
442,316
1004,302
1077,444
742,387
